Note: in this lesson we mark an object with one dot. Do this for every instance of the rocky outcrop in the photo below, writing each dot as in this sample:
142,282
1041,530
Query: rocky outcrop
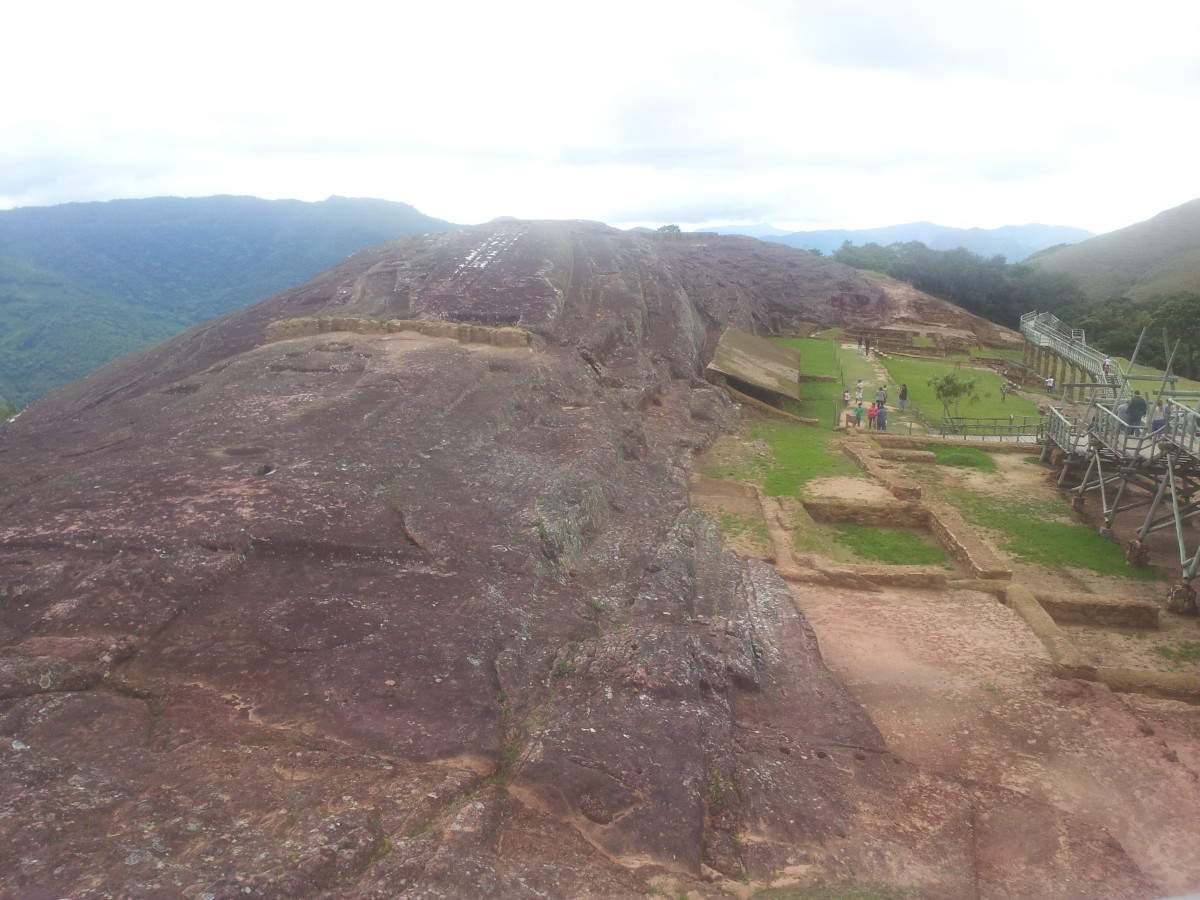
376,613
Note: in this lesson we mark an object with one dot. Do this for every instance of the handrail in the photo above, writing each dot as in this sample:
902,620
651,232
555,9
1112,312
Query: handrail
1065,433
1011,426
1181,426
1047,330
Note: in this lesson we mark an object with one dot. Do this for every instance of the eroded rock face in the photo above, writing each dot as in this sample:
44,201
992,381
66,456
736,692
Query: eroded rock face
384,614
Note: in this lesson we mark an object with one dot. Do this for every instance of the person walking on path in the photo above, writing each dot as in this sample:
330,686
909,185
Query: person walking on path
903,396
846,399
881,396
881,418
872,412
858,413
858,392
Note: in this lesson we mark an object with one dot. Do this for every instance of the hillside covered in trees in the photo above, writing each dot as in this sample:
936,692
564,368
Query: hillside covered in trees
992,288
1002,292
84,283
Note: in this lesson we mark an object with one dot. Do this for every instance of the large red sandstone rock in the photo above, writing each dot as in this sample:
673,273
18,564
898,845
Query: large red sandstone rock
379,615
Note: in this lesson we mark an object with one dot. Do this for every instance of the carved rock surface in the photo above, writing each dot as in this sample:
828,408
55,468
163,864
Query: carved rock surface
380,615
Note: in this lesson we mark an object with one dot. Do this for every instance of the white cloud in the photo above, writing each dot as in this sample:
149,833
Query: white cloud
827,113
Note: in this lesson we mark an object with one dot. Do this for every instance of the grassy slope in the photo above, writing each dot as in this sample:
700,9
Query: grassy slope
1160,256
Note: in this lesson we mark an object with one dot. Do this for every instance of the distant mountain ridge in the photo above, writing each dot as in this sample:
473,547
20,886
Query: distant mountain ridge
84,283
1013,242
1155,258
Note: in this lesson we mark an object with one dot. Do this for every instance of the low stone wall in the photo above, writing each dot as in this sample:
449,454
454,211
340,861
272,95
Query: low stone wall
1066,658
959,539
1082,609
1096,609
925,457
902,576
1164,685
869,460
859,512
946,525
924,442
463,332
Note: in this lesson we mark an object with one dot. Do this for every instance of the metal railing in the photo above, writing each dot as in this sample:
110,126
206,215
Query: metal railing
1047,330
1014,428
1070,435
1181,427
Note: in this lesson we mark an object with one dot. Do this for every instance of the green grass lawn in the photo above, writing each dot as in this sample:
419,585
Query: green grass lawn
1043,532
896,547
822,399
1183,384
800,453
916,373
966,458
817,355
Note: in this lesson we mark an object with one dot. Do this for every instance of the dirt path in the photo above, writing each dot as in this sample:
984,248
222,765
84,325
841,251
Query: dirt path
958,684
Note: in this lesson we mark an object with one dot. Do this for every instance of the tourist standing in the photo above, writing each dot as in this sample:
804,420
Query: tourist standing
872,412
903,396
1159,420
881,418
1136,412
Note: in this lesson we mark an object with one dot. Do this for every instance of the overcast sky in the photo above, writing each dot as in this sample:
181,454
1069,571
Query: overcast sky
806,114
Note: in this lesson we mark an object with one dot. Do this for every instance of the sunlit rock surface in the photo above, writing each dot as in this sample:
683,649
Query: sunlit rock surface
371,613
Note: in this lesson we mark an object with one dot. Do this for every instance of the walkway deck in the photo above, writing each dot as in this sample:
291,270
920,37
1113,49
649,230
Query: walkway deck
1158,458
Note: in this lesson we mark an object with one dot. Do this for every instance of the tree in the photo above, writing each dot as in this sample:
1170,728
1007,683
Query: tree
952,389
669,229
1179,317
987,287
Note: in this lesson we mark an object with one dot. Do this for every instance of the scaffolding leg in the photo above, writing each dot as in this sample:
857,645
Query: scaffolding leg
1086,475
1110,515
1167,479
1062,477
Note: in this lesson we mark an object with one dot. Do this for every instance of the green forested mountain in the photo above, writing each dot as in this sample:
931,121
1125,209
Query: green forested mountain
1156,258
992,288
84,283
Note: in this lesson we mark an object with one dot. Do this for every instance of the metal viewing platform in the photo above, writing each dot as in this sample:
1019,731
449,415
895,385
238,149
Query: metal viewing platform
1150,465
